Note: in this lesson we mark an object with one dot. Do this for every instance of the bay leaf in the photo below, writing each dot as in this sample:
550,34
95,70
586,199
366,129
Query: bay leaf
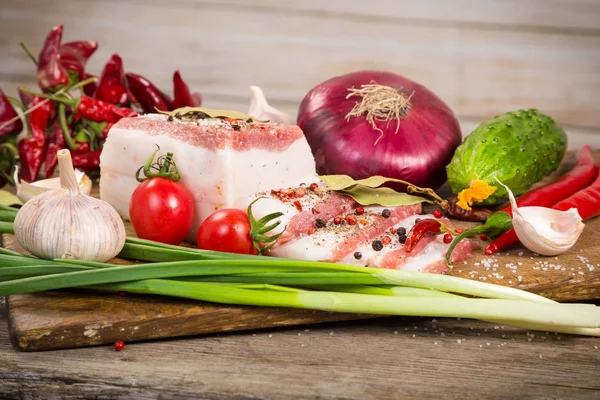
211,113
383,196
341,182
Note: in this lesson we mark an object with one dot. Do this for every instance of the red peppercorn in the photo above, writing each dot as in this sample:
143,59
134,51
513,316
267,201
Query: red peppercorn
360,210
448,238
459,230
313,186
337,220
119,345
386,240
438,213
351,220
483,237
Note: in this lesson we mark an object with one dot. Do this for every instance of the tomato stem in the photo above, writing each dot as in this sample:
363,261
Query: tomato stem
164,167
258,229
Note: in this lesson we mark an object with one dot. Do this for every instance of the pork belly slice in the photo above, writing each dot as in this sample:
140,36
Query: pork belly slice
334,242
221,163
428,255
301,207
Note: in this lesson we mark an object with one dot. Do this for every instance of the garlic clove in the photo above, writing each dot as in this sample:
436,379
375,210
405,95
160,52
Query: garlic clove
65,223
261,110
544,230
26,191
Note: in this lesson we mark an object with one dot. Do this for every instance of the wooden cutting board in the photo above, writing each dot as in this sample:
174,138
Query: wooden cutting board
66,319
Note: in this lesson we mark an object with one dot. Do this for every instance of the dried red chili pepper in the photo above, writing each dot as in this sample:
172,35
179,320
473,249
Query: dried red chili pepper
86,161
31,153
569,184
420,229
96,110
475,214
56,142
91,87
110,86
73,56
51,159
82,147
181,93
146,94
51,74
8,113
26,98
105,131
39,117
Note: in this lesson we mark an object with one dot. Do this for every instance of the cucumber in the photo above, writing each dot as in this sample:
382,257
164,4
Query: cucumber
519,148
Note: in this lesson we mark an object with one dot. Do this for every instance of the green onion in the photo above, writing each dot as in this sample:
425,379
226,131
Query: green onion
546,314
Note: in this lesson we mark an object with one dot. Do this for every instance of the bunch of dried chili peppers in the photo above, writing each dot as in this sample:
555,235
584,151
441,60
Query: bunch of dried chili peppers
57,119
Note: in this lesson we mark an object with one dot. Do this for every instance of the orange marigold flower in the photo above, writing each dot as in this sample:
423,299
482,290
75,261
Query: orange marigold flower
478,191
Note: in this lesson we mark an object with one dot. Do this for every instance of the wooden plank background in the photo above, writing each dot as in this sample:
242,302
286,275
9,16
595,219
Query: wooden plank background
483,58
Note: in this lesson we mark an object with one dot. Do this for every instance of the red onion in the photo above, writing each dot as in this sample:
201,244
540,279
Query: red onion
413,137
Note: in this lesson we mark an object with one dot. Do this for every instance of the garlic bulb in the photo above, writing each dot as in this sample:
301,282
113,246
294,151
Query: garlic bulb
26,191
544,230
261,110
67,224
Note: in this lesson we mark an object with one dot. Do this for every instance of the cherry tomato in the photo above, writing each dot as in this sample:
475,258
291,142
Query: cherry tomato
226,230
162,210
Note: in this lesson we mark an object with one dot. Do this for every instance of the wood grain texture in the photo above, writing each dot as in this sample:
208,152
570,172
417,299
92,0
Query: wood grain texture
55,320
389,358
478,64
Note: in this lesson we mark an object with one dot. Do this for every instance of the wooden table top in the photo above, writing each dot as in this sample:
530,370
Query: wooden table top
385,358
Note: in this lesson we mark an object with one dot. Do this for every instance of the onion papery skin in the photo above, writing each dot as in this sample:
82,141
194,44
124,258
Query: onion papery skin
418,152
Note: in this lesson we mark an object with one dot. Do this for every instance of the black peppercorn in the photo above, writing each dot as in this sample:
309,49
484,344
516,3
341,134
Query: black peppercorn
417,220
377,245
358,255
386,213
320,223
170,119
401,231
402,239
236,127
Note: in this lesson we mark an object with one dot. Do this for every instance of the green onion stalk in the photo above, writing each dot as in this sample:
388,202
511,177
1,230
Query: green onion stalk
276,282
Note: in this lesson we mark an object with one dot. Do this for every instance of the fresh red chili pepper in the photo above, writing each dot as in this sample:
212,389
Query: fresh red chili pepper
91,87
8,113
111,87
86,161
39,117
420,229
570,184
31,153
73,56
145,93
586,201
181,93
50,73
